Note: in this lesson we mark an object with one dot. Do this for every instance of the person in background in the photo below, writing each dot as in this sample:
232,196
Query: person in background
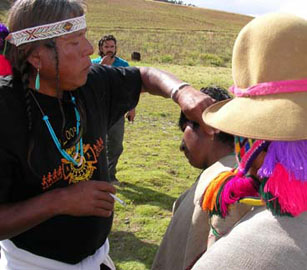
107,47
187,233
56,200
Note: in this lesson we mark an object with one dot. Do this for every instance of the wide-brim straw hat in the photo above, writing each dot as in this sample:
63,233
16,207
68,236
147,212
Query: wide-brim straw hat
269,69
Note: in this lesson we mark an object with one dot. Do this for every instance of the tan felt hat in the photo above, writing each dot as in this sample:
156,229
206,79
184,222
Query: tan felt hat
269,68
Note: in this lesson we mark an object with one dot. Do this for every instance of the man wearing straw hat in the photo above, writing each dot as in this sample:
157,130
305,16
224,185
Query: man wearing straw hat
270,106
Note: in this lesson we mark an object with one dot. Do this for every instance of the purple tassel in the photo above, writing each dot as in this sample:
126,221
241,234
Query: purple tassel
3,34
291,155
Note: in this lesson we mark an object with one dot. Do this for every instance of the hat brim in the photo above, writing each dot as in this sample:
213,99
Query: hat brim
279,117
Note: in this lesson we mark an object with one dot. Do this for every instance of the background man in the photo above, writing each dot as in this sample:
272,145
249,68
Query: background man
186,236
107,47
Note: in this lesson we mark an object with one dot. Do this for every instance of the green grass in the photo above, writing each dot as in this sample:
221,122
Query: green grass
166,33
4,5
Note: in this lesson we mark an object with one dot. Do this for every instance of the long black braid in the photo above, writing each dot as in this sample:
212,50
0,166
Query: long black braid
23,75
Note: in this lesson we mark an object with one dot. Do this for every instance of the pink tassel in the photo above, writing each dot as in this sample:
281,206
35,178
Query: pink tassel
290,192
235,189
5,66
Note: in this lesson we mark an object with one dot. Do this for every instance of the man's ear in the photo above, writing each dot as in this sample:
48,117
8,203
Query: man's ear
34,59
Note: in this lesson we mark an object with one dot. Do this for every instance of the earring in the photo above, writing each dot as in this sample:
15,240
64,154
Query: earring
37,81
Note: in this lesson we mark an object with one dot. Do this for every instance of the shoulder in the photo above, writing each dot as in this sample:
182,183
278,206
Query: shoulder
119,62
262,241
226,163
102,79
10,93
105,73
96,60
12,107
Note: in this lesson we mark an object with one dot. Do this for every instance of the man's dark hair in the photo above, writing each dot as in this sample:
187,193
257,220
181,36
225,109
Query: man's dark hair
219,94
102,40
106,38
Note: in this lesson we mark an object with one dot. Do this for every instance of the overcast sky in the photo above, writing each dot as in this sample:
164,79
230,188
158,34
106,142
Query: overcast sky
254,7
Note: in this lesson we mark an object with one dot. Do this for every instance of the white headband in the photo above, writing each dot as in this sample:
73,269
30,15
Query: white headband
47,31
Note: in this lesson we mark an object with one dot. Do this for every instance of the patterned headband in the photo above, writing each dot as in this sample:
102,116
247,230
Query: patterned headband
47,31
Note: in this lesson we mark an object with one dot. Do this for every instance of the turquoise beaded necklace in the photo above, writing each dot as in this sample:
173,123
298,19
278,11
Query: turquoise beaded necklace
79,145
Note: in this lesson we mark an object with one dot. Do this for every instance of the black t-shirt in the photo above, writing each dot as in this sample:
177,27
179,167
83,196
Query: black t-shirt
106,96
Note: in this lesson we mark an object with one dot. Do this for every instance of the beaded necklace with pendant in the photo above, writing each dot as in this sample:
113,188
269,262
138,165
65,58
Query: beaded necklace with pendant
79,145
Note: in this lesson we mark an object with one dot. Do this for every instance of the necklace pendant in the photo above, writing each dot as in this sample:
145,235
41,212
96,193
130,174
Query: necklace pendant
80,161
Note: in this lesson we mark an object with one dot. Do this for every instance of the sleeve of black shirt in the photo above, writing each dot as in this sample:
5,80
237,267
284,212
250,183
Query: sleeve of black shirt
118,89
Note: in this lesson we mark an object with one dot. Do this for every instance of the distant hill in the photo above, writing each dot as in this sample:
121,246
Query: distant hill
4,5
145,14
163,32
166,33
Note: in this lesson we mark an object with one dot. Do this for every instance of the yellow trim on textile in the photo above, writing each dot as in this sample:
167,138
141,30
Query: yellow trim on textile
210,194
252,201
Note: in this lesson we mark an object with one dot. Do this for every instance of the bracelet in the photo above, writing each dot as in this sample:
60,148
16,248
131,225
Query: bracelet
177,88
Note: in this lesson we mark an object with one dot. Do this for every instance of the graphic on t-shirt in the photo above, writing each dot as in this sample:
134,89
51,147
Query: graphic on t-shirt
67,171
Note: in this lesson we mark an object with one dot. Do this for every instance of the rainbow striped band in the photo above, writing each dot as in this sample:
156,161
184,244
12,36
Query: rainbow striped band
47,31
271,88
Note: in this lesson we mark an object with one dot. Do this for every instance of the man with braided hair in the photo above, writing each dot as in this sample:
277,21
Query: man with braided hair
56,202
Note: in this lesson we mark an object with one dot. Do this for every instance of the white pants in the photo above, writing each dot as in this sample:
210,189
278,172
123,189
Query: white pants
14,258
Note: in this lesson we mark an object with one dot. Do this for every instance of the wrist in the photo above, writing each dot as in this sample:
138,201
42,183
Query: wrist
177,88
56,196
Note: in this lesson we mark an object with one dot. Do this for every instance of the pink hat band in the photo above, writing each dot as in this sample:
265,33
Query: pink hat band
271,88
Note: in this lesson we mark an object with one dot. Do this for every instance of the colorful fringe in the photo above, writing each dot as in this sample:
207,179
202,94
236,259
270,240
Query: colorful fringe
229,187
236,189
282,183
209,201
283,193
291,155
242,146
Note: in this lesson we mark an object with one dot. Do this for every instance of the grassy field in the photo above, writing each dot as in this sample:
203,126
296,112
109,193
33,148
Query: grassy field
4,5
166,33
196,45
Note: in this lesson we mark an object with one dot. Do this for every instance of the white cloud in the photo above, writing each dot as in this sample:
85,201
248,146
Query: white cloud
297,7
255,7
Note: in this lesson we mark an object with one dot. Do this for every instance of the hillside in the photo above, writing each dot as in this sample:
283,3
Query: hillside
162,32
153,15
4,5
166,33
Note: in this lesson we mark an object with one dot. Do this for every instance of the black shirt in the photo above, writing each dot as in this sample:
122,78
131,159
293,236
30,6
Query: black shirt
106,96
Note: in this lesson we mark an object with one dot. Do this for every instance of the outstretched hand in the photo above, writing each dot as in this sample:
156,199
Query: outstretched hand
88,198
193,103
